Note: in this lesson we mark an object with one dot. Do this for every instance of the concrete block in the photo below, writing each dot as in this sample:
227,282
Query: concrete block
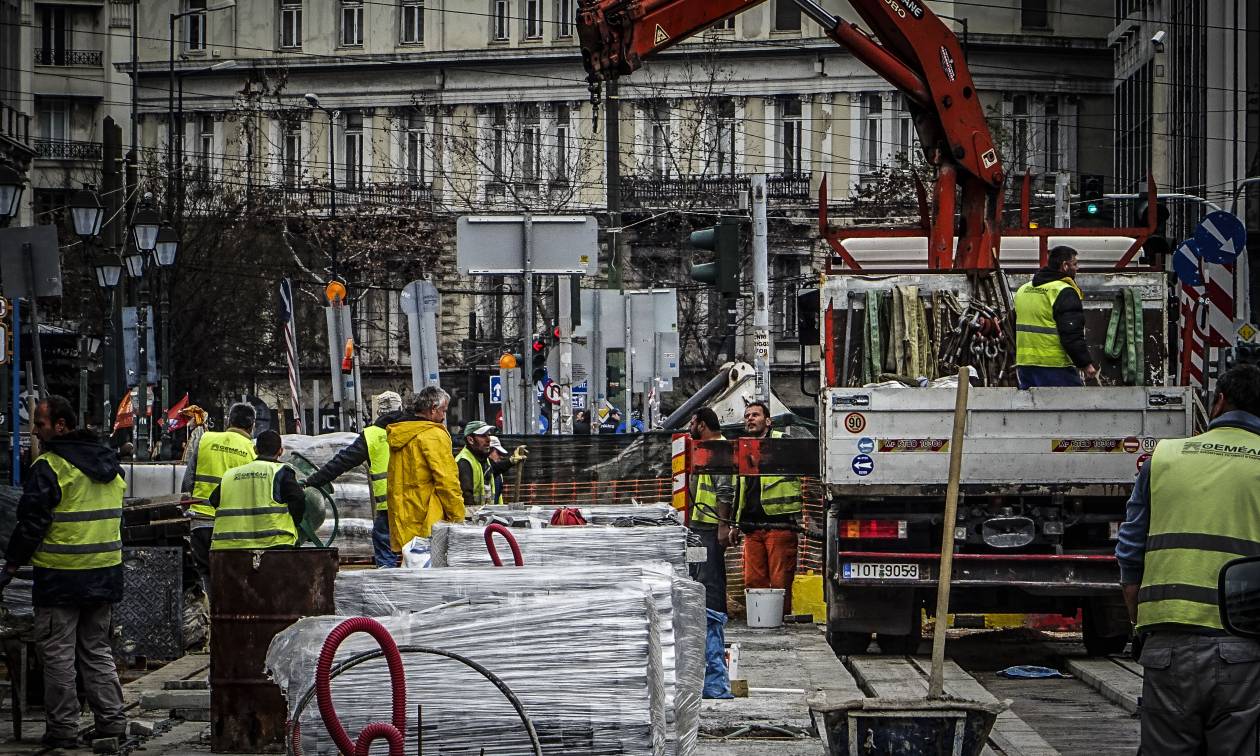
140,727
105,745
186,685
175,699
191,715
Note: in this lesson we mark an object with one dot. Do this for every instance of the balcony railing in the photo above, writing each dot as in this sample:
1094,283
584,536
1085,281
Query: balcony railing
15,125
381,196
60,56
67,149
709,191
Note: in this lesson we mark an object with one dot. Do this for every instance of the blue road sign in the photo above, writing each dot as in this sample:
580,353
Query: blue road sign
866,445
496,389
1220,237
863,465
1186,263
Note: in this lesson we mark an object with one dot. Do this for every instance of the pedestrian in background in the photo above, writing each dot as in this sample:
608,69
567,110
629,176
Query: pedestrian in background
370,448
69,526
710,500
216,453
1195,507
766,512
581,423
423,479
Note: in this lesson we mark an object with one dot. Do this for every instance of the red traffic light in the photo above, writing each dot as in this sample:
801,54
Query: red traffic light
539,346
556,332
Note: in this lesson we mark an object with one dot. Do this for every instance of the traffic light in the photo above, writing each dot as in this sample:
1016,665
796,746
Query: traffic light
723,272
1158,246
538,363
1092,193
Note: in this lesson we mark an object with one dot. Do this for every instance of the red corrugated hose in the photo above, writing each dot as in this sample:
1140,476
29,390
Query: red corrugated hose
493,528
393,731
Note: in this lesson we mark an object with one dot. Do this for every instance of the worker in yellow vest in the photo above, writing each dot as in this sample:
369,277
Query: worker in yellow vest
260,504
476,478
501,461
1195,507
766,509
69,526
215,454
371,448
1050,346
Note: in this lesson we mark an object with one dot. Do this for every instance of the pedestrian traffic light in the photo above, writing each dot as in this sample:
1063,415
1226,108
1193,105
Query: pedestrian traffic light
723,239
538,362
1092,193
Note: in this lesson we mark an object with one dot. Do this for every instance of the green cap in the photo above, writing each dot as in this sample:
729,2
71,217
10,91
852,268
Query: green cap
477,428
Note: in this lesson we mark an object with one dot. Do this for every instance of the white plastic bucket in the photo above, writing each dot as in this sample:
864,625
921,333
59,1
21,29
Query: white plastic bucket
765,607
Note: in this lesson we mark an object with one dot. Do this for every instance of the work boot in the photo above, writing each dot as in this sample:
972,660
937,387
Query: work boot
52,741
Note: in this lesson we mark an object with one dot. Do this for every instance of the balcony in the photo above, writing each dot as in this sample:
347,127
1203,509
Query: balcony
67,149
383,196
15,126
62,57
709,191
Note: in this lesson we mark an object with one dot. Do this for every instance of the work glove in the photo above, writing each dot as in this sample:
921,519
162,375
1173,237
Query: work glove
519,455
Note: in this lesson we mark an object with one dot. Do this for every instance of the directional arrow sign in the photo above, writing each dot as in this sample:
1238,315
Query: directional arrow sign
1221,237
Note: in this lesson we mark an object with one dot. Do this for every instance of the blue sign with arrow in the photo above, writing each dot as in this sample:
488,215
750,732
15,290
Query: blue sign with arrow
1220,237
863,465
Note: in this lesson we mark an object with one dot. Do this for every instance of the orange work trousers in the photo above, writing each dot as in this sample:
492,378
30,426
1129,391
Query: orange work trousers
770,562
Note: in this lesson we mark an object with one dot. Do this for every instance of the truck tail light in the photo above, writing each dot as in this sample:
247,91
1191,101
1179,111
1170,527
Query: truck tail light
873,529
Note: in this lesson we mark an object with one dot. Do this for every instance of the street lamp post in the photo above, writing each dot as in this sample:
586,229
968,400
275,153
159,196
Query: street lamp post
11,186
87,213
165,253
145,225
108,274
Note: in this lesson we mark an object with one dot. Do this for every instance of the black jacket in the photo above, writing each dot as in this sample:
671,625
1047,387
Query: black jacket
1069,319
40,496
353,455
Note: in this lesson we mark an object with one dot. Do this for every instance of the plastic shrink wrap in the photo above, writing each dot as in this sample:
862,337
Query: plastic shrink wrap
465,546
679,603
585,665
660,513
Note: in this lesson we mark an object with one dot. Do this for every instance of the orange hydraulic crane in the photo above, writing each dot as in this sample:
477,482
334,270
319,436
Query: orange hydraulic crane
918,54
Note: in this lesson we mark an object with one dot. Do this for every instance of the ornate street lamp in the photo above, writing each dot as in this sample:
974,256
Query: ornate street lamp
87,212
167,246
11,186
134,261
108,272
145,225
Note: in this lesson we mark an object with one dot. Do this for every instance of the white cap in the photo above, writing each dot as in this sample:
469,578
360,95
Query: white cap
497,445
388,401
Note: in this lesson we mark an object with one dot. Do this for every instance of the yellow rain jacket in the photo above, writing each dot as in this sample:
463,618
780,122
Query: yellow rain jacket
423,480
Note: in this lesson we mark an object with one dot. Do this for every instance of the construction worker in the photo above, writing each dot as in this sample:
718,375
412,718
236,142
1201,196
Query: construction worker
1195,507
766,511
371,447
423,478
501,461
476,479
216,453
260,504
710,517
1050,346
69,526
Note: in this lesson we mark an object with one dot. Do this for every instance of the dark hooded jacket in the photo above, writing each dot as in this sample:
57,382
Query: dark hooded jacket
40,496
1069,319
353,455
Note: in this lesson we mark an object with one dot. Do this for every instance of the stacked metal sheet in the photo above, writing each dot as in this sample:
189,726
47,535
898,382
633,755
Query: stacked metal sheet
465,546
679,604
586,666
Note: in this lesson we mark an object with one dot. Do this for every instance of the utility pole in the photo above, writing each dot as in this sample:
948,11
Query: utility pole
564,415
1062,200
612,172
527,326
761,287
112,237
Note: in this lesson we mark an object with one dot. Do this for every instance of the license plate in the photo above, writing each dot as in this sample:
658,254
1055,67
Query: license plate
880,571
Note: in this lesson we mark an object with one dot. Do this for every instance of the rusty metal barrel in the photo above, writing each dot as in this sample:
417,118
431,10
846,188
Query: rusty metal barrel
253,596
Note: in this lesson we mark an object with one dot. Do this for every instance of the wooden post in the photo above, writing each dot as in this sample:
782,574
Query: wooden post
937,684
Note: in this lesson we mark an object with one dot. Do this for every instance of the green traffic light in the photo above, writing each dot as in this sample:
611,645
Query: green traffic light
1092,208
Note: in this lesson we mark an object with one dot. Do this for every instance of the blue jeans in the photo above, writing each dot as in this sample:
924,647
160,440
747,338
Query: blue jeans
382,552
716,683
1030,377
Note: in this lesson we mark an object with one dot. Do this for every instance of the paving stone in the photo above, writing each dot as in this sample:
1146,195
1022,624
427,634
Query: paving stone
175,699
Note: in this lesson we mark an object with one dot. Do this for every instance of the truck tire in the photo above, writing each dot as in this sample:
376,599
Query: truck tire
848,644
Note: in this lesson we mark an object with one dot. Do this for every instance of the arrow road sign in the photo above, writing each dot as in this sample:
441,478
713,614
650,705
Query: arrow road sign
1220,237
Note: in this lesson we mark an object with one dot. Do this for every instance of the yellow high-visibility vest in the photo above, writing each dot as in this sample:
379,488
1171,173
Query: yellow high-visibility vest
86,530
378,465
217,452
249,515
779,495
1037,341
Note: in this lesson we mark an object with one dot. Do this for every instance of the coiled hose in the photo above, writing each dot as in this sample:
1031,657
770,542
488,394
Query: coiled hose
295,728
495,527
391,731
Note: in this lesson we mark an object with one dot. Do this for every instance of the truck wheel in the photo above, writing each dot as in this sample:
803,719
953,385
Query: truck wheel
848,644
1103,628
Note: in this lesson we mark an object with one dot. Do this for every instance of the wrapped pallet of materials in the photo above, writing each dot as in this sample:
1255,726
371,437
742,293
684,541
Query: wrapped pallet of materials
660,513
318,450
586,666
465,546
679,605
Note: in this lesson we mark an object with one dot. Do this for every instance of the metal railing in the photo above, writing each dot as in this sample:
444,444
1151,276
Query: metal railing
60,56
67,149
711,191
14,124
383,196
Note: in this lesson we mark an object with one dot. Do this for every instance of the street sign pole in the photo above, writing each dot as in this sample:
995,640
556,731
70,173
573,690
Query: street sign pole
761,287
565,411
527,323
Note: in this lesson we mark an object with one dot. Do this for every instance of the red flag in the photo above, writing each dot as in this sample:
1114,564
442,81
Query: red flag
173,419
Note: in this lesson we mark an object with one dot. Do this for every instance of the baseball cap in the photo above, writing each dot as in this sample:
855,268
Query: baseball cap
497,445
388,401
477,428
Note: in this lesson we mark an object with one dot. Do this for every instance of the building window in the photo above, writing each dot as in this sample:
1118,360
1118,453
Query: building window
724,139
290,23
563,127
1053,153
905,128
658,143
205,144
533,19
412,22
54,31
351,23
1019,131
195,25
499,19
564,19
726,24
787,15
872,131
292,154
498,144
417,165
1035,14
791,136
531,144
787,272
354,150
54,120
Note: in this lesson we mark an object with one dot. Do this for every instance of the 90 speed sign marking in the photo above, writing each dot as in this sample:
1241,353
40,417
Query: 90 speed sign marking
855,422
